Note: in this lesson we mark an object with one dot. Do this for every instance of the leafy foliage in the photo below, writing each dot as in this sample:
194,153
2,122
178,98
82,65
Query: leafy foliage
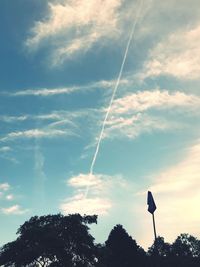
60,241
160,248
186,246
53,240
122,249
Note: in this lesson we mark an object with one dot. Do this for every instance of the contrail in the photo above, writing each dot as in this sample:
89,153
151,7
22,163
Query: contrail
114,93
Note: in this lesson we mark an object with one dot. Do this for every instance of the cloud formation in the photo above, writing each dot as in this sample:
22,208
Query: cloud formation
91,205
154,99
75,26
10,119
10,197
98,201
135,125
4,186
13,210
47,92
34,133
130,115
177,55
7,195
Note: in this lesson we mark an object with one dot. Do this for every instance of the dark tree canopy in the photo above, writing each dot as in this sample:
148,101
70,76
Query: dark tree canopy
52,240
160,248
184,252
65,241
122,249
186,246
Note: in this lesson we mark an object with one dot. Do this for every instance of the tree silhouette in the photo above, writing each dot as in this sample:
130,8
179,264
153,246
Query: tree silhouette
186,246
160,248
122,249
102,255
52,240
65,241
186,251
160,253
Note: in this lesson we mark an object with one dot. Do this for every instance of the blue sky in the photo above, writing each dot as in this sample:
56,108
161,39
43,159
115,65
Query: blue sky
59,65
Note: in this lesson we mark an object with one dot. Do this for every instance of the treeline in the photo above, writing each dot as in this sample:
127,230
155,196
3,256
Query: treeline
65,241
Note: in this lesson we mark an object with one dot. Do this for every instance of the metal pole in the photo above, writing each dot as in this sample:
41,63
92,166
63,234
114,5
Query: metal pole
155,243
154,227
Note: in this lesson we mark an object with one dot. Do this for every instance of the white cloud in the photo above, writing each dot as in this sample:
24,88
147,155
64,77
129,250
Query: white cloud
14,210
130,115
92,193
135,125
74,26
83,180
9,119
155,99
60,116
4,186
177,55
35,133
54,115
10,197
91,205
46,92
56,124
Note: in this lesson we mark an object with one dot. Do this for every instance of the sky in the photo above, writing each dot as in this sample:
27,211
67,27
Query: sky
69,68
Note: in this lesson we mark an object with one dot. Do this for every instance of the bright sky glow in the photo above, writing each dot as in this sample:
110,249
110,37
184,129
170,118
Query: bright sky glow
60,62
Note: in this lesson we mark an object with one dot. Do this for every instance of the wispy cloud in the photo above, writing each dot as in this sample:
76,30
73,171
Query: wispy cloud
131,114
91,205
10,119
55,116
177,55
99,200
35,133
4,186
55,124
44,92
14,210
154,99
83,180
7,195
10,197
135,125
47,92
72,27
